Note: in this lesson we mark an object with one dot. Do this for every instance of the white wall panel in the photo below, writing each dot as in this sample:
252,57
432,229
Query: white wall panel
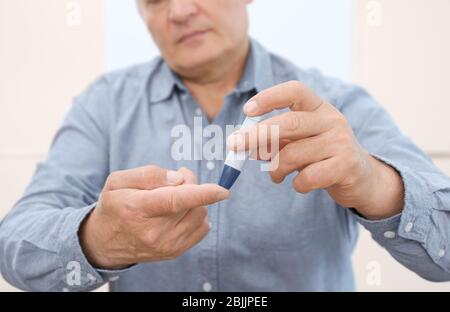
401,54
49,51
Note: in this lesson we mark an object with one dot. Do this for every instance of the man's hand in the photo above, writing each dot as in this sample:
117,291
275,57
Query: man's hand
317,141
147,214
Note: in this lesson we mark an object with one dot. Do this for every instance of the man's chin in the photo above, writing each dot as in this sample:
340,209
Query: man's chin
193,63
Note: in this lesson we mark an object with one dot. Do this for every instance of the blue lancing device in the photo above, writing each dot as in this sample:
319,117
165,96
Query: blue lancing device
235,161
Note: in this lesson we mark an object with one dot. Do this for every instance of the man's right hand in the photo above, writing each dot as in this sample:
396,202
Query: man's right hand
147,214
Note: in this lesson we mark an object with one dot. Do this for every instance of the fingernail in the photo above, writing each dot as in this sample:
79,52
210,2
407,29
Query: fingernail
174,177
236,141
251,107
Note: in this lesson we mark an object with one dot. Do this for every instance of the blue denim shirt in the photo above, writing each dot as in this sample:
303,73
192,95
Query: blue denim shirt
265,237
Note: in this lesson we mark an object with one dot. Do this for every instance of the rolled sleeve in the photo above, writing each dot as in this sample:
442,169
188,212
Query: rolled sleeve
39,244
421,221
73,258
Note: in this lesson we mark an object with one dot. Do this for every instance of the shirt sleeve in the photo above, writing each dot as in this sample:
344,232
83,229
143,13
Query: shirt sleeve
418,237
39,245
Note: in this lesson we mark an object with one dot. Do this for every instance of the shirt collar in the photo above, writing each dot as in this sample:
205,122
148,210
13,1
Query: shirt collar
258,75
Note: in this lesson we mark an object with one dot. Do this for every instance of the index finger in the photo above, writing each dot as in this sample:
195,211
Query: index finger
293,95
287,126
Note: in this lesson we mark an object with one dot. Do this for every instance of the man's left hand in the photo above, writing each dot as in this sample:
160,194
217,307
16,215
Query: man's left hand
316,141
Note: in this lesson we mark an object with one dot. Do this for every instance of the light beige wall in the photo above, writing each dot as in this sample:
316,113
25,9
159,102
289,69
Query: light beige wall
49,51
49,55
401,52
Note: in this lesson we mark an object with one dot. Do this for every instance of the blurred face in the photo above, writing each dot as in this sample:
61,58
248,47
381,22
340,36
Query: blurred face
195,33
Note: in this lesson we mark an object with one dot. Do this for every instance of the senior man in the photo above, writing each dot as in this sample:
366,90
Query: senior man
111,204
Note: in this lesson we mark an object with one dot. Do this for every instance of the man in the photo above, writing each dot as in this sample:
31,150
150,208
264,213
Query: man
111,204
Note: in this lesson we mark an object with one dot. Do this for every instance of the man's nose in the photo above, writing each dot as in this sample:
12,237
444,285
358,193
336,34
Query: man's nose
181,10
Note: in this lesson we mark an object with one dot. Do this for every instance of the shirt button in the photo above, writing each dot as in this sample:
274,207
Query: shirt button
441,253
409,227
207,287
210,225
198,112
210,165
92,279
389,234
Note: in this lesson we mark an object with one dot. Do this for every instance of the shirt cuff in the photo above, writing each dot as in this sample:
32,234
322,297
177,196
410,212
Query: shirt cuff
80,274
414,221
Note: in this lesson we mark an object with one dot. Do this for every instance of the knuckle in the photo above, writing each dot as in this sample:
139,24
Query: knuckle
185,170
202,213
296,85
299,186
105,200
112,179
341,138
148,171
205,228
135,248
354,161
202,231
131,205
208,224
129,210
151,239
291,121
276,176
171,207
308,179
338,118
295,88
151,168
348,150
340,122
350,179
290,155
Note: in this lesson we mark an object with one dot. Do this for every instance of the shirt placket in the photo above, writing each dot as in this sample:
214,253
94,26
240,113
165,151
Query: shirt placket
207,172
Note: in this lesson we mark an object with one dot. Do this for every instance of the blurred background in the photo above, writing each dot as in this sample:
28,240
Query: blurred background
50,50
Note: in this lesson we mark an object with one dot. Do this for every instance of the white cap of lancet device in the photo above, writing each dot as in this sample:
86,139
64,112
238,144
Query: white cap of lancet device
235,161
